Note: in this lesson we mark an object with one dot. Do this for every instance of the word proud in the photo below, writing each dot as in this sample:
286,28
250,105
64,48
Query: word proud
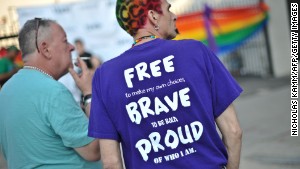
171,139
144,104
142,67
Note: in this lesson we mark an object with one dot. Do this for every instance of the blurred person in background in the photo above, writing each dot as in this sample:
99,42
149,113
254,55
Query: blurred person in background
162,99
91,61
41,126
7,66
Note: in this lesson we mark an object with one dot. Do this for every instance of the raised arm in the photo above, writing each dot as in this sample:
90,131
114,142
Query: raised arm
90,151
83,81
231,131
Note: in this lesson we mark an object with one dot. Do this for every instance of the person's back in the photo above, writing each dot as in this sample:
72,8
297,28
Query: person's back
164,103
32,126
162,99
41,126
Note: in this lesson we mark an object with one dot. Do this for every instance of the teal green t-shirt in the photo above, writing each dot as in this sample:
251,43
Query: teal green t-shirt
6,65
41,124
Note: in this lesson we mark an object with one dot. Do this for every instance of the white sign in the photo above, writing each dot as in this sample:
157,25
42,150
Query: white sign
92,21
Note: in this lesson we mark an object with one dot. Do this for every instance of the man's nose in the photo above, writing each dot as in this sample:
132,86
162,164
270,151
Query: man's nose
175,17
72,47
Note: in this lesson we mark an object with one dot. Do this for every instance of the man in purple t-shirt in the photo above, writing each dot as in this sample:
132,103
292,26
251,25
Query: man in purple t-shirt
162,99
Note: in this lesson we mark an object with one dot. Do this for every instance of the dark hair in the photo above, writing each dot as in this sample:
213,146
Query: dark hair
132,14
12,48
78,41
27,35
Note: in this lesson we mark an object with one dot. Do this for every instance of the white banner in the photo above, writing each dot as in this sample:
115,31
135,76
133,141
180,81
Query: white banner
93,21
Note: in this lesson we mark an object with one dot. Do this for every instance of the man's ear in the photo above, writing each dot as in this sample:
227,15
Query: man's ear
153,17
44,50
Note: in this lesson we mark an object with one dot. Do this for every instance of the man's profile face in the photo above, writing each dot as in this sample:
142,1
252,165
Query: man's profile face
60,49
167,21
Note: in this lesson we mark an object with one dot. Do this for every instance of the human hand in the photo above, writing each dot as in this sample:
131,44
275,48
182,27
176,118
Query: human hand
84,79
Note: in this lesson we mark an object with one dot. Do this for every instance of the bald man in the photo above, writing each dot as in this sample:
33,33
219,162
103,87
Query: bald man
41,125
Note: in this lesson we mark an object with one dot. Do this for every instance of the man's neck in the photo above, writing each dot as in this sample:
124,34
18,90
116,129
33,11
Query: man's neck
143,39
42,66
144,33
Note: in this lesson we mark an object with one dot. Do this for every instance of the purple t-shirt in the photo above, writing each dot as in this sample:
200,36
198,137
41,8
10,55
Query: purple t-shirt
160,99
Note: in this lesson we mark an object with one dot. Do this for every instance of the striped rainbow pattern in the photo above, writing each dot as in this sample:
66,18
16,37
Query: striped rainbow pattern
229,28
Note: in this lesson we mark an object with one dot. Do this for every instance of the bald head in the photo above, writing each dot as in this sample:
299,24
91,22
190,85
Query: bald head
52,52
32,33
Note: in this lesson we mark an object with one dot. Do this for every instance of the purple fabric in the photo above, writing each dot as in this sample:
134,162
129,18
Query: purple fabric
163,116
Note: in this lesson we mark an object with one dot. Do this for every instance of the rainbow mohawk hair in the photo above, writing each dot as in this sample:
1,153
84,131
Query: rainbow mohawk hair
132,14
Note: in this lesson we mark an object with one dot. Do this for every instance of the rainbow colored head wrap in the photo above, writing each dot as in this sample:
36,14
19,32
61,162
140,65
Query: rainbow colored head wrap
132,14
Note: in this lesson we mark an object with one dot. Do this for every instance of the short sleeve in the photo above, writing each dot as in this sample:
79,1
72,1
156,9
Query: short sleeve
224,87
100,125
68,120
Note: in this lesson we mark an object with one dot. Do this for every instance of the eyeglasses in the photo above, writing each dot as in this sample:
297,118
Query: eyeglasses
37,20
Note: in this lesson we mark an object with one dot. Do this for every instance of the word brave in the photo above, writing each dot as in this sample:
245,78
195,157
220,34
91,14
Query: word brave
154,67
144,104
171,139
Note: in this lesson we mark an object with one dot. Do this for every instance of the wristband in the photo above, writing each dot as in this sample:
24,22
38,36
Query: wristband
84,98
87,101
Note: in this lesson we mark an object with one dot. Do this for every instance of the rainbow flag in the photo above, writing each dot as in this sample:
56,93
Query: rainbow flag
223,30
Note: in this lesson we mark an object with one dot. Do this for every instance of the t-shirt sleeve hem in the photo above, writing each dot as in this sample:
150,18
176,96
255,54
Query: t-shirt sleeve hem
82,143
229,101
103,135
